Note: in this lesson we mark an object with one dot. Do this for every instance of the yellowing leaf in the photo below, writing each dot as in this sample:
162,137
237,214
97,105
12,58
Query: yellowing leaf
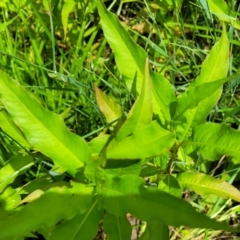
110,109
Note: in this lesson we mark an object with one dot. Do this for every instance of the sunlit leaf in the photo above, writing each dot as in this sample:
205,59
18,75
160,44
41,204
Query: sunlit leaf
145,142
192,97
205,184
110,109
44,130
214,67
223,12
67,8
128,53
213,140
140,114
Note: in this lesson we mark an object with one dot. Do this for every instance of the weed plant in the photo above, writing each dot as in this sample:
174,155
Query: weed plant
75,62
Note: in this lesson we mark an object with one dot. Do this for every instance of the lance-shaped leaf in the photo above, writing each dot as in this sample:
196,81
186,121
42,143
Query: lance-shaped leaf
44,130
195,94
145,142
117,228
205,184
110,109
140,114
213,140
60,201
223,12
84,226
130,59
127,194
214,67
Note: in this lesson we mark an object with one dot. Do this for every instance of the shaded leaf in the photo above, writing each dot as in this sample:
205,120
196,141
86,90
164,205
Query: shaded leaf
84,226
155,230
9,198
205,184
16,166
59,201
149,204
9,127
44,130
117,228
170,185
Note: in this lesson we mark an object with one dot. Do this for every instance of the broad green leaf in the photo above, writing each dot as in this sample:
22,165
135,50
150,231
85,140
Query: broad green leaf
117,228
155,230
44,130
192,97
84,226
9,127
128,53
110,109
214,67
145,142
59,201
205,184
213,140
140,114
16,166
127,194
222,11
67,8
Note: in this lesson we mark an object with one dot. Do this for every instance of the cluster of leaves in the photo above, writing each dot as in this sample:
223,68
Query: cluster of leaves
139,164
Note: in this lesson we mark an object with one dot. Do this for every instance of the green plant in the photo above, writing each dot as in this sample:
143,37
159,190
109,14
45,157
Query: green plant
139,165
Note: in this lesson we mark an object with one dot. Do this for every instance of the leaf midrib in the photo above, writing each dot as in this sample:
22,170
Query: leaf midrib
36,119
